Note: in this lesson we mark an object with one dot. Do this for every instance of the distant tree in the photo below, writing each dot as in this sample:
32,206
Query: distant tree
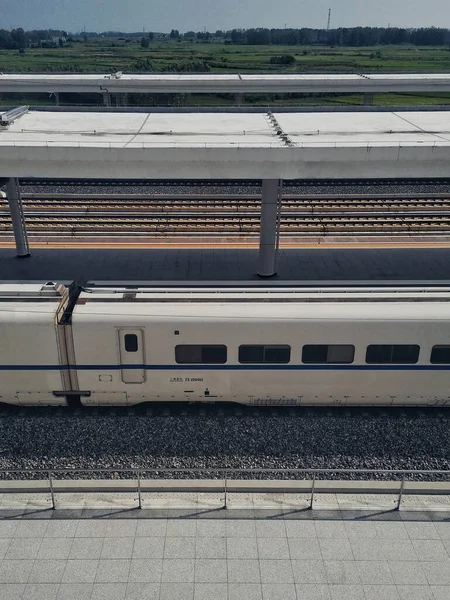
204,36
61,42
144,42
238,36
19,38
259,37
151,35
174,34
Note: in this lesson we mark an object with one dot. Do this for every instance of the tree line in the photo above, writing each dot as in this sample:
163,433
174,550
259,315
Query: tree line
344,36
18,39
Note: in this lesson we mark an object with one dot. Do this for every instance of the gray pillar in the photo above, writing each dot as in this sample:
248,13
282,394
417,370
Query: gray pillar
17,218
268,233
57,98
239,99
368,99
106,98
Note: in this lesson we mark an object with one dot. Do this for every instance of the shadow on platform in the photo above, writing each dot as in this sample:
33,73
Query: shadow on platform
221,264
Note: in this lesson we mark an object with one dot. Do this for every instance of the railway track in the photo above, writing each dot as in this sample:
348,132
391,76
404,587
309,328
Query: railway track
140,224
89,203
160,215
180,202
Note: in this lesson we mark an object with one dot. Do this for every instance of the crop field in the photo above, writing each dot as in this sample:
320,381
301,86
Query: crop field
107,55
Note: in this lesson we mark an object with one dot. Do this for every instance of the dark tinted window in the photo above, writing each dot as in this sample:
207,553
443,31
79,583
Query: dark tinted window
264,354
328,353
131,342
392,354
201,354
440,355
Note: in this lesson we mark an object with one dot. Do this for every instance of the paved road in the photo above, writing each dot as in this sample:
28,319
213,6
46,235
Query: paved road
220,264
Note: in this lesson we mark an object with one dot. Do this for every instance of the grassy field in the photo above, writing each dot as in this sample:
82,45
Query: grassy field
110,55
100,55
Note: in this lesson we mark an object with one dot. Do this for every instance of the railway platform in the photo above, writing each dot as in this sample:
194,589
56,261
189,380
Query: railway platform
60,264
226,555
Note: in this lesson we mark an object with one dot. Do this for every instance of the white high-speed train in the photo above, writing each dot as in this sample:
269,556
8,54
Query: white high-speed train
258,346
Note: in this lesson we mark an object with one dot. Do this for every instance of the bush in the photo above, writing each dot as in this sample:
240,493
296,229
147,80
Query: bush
284,59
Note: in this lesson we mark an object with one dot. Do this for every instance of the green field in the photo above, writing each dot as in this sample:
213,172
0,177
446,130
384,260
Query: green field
107,55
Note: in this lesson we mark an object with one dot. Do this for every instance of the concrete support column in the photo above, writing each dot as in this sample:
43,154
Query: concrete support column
106,98
239,99
368,99
269,228
17,218
57,98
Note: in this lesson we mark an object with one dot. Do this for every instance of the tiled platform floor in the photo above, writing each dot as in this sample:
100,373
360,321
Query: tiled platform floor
242,555
170,264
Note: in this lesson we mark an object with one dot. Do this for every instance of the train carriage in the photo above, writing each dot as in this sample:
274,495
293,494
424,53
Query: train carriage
124,345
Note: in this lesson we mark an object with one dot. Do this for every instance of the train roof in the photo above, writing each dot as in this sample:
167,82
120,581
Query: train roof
11,290
242,294
264,304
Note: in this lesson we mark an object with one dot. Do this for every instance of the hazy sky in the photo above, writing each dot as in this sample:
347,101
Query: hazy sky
163,15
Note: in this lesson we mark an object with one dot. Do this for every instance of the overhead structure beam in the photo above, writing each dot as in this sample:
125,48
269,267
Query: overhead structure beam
231,83
270,215
17,217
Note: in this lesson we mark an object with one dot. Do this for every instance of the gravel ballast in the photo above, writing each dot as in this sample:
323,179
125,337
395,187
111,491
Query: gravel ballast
309,439
211,190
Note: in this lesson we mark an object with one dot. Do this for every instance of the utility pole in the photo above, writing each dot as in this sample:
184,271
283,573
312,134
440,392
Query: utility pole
329,19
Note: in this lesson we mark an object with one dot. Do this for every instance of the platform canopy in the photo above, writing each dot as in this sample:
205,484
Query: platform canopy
226,145
227,83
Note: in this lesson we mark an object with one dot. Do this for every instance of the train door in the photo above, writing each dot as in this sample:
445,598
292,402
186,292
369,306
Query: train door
131,347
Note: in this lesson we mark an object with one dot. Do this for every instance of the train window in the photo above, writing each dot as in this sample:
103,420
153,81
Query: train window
392,354
131,342
328,354
264,354
197,354
440,355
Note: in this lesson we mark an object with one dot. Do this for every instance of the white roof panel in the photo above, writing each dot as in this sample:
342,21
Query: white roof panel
366,128
226,145
137,129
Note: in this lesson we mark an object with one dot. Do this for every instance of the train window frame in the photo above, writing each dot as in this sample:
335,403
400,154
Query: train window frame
265,349
437,348
390,350
201,350
325,348
134,343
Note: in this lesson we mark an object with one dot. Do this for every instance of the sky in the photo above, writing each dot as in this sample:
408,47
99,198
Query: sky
185,15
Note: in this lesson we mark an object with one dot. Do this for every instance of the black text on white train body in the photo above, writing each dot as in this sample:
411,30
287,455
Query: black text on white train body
260,346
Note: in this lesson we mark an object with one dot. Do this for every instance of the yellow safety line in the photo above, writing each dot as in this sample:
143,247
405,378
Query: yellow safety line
227,245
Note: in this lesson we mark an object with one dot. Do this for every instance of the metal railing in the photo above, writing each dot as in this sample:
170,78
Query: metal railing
226,475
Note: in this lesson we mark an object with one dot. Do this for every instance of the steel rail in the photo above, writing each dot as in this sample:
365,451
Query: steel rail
245,197
174,215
